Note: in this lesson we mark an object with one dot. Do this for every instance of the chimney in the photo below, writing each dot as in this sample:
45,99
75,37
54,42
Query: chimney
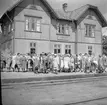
65,5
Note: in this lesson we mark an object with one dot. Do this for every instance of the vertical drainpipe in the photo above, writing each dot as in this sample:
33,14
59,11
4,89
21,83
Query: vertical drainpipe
50,35
14,38
101,42
76,37
14,32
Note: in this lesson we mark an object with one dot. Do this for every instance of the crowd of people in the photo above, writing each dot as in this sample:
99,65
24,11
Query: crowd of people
55,63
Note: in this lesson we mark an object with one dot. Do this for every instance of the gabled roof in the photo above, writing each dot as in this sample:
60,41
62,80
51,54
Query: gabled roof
69,15
15,3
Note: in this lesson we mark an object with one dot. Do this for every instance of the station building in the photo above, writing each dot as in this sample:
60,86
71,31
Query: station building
34,26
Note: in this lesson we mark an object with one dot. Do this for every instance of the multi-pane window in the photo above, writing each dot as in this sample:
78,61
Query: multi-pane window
10,27
90,50
27,23
57,49
32,24
62,29
38,24
32,48
67,49
66,29
4,29
89,30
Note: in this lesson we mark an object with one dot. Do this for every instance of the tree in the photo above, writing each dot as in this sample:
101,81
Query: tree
5,54
104,43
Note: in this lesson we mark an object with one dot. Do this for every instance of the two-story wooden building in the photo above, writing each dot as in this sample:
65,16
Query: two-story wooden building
34,26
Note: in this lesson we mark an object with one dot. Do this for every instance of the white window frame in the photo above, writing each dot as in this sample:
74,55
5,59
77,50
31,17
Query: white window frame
32,24
57,47
63,29
33,46
68,49
89,30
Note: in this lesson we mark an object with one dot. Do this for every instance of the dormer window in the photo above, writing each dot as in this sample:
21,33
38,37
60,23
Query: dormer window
89,30
62,29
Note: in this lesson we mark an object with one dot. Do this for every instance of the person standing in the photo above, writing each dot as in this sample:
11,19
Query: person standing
24,63
71,63
66,63
61,63
55,64
35,63
30,64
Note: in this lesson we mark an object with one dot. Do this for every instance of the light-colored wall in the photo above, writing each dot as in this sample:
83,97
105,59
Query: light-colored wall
62,46
81,30
48,36
48,29
25,9
96,49
84,41
23,46
55,36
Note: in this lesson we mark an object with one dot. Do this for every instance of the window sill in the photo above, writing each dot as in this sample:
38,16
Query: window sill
33,31
90,36
63,34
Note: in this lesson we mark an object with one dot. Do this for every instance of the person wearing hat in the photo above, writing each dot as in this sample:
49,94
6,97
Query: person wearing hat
45,63
66,62
76,68
55,64
61,63
41,65
71,63
35,64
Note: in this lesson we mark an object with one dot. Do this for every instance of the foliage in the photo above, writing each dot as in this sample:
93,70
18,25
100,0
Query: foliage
104,43
5,54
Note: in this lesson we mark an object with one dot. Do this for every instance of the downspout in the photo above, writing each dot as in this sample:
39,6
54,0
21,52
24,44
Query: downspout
101,43
76,37
50,34
14,29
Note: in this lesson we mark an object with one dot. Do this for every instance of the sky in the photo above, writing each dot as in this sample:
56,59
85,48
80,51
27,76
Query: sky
57,4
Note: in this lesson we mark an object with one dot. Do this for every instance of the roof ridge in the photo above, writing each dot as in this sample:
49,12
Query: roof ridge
80,7
71,10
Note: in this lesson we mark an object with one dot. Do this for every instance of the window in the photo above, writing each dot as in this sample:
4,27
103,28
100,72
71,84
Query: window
93,31
66,29
62,29
10,26
4,29
32,48
32,24
89,30
27,21
90,50
67,49
57,48
38,25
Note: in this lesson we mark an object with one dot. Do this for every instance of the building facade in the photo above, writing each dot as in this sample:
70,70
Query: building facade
33,26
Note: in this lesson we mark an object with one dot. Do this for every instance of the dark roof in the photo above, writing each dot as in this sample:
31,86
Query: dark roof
69,15
14,4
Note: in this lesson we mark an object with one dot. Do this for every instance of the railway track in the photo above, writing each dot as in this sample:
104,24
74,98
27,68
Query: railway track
51,83
88,101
